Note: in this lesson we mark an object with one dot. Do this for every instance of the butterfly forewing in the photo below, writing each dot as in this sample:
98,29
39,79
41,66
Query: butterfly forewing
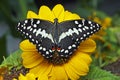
38,32
72,33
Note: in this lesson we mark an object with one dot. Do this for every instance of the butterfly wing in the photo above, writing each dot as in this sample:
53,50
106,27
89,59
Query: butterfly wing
39,33
72,33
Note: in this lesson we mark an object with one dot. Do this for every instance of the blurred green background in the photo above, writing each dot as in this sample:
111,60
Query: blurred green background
13,11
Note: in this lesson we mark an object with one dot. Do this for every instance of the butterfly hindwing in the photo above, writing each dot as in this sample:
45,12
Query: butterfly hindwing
73,32
38,32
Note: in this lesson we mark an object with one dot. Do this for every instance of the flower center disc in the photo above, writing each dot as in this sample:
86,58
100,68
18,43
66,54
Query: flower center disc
58,60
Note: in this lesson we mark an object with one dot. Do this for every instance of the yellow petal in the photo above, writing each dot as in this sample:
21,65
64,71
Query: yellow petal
52,78
31,14
97,37
12,79
30,76
77,67
27,46
46,14
71,73
67,14
43,77
70,16
21,77
58,73
74,16
87,46
83,56
61,17
42,68
58,11
80,65
31,59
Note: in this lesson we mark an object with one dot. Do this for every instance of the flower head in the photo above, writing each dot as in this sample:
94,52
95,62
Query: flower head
57,12
76,66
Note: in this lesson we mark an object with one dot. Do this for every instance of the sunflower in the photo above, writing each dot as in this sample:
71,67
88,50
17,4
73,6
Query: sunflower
76,66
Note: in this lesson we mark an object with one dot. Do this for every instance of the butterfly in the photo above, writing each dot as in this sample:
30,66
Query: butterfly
54,39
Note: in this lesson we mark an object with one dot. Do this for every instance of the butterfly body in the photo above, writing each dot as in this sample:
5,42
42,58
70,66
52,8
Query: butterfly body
57,41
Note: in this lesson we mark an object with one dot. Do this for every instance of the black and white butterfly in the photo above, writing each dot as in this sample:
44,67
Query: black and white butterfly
57,39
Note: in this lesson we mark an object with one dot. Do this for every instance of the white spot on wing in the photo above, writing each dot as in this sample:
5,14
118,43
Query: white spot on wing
88,33
27,34
63,35
97,28
44,49
47,52
44,34
76,22
34,25
50,37
86,27
79,25
94,26
37,42
50,50
24,27
18,24
38,32
28,27
68,33
73,45
30,36
34,30
84,35
91,32
38,22
91,27
40,48
66,51
69,47
31,29
94,30
26,21
89,22
81,38
77,39
62,50
83,21
32,39
97,25
75,31
31,21
79,30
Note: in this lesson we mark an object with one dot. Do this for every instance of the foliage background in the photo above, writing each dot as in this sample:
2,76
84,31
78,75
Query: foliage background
105,12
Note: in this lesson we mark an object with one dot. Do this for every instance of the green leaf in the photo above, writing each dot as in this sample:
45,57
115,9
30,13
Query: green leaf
14,60
96,73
